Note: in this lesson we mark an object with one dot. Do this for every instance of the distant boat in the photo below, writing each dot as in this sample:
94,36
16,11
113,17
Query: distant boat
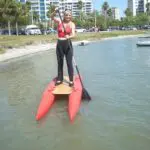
144,41
83,43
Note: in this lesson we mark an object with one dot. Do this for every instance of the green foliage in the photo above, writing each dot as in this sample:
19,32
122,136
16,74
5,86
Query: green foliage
128,12
2,50
80,4
13,12
148,8
105,6
142,19
51,9
77,21
41,26
109,12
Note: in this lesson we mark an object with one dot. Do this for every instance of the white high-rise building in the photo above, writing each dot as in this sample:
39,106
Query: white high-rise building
115,13
73,5
38,6
137,6
41,6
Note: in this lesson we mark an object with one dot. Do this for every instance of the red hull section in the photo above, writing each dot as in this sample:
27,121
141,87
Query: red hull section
48,98
75,99
46,101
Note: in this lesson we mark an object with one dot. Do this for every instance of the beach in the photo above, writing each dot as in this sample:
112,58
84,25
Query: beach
34,48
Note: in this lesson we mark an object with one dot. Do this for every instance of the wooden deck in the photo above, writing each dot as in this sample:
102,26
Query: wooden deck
64,88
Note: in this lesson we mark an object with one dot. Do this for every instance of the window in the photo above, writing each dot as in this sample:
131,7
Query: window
42,8
42,4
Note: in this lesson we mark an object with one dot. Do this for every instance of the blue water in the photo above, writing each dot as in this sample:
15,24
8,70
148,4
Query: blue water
117,75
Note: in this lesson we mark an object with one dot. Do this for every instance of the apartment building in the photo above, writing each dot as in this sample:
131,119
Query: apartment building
137,6
73,5
41,6
115,13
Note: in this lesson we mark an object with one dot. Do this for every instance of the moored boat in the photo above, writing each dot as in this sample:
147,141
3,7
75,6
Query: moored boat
83,43
143,41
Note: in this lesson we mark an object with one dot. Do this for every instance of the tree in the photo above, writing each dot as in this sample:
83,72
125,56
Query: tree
80,6
105,8
18,14
35,16
51,9
28,5
77,21
142,19
101,22
7,11
128,12
109,12
26,11
148,8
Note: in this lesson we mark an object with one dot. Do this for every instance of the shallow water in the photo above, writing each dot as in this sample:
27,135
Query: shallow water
117,75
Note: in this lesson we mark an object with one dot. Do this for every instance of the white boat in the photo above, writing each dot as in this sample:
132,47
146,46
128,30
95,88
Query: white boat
83,43
144,41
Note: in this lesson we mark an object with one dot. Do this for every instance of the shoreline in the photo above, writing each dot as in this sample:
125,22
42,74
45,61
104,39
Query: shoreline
31,49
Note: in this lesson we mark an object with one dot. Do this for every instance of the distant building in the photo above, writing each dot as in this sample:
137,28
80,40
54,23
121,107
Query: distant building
137,6
41,6
115,13
22,1
73,5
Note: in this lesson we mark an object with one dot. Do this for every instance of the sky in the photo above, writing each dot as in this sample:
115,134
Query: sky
121,4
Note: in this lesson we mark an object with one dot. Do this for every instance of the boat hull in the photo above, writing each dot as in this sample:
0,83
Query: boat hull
75,99
143,43
51,91
46,101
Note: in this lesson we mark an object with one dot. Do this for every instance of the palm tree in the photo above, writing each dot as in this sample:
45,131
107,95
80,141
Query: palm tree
28,5
109,12
105,8
7,11
51,9
80,6
18,14
26,10
35,16
148,8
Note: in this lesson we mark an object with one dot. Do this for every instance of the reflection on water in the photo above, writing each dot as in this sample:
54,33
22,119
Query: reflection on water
116,74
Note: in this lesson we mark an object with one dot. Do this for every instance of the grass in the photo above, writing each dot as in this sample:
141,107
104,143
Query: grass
7,42
2,50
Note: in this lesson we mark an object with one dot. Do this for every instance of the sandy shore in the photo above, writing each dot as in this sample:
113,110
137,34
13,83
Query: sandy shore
22,51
